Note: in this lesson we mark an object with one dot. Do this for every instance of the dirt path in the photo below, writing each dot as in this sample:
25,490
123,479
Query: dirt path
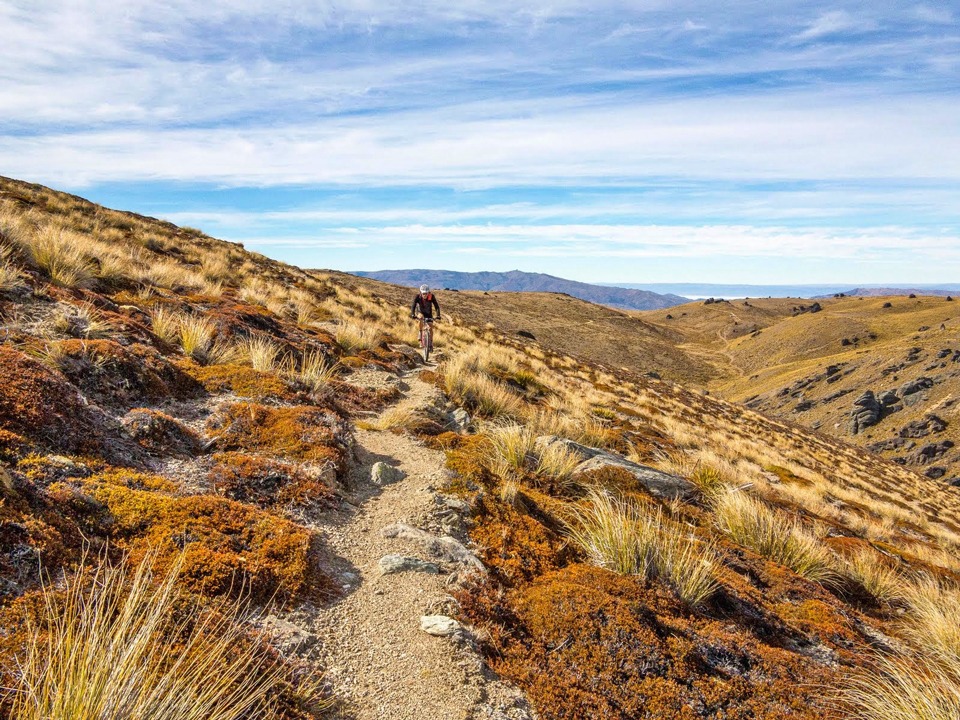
378,660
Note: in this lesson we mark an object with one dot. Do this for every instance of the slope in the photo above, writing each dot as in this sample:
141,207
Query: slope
167,395
826,369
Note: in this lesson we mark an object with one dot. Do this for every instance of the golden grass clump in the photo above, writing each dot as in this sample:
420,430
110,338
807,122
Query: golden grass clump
9,275
905,689
261,353
932,620
752,523
165,324
196,336
557,462
122,646
355,336
877,576
623,537
466,383
315,369
60,255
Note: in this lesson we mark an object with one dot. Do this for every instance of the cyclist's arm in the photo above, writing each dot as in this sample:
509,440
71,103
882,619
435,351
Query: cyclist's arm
436,305
413,308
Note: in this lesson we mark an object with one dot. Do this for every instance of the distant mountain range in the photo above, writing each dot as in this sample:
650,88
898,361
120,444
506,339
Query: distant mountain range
730,290
517,281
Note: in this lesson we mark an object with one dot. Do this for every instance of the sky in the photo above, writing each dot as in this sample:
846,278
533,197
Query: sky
774,141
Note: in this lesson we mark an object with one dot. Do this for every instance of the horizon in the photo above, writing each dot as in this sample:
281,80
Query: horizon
798,143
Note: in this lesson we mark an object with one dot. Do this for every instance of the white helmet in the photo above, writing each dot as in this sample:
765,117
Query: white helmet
424,289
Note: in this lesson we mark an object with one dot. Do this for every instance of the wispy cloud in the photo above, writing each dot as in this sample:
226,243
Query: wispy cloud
602,114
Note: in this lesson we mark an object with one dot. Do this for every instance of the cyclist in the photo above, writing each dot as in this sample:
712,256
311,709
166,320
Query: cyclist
426,301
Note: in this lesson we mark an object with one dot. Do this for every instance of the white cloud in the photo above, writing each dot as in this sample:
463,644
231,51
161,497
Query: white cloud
833,22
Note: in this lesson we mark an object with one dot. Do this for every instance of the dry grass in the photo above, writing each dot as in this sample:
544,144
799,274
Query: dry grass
752,523
9,275
80,321
623,537
315,369
261,353
557,462
905,689
932,621
356,336
61,256
165,324
196,336
877,576
467,384
124,647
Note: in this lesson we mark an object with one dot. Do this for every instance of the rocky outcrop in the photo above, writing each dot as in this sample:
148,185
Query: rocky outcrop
865,413
911,391
927,425
657,483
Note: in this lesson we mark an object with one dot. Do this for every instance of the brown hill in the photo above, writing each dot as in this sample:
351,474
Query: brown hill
813,367
617,545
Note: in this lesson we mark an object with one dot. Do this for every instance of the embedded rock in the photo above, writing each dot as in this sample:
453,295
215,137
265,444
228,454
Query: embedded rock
910,391
390,564
927,425
446,548
383,474
440,625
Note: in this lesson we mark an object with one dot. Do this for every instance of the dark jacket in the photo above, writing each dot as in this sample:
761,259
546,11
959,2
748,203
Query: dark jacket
426,303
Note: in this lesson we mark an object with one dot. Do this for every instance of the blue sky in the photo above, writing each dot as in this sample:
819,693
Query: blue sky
649,141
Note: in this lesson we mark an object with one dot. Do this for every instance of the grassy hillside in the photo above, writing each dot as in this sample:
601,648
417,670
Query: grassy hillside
177,403
812,366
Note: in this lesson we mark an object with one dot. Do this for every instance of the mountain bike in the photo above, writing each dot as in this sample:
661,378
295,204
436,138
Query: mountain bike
426,337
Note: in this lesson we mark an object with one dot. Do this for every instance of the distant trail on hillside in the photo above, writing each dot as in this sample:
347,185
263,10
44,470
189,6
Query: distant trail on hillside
518,281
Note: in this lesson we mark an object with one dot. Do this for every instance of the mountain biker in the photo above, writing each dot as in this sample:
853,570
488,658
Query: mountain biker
425,301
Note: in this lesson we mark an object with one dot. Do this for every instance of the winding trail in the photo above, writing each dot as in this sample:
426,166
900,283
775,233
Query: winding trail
378,661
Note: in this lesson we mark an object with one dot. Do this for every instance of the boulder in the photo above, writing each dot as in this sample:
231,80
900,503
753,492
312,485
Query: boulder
865,413
446,548
926,425
460,419
935,473
383,474
910,391
390,564
888,398
440,625
931,451
657,483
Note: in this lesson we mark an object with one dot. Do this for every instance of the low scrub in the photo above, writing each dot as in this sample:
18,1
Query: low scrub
122,646
629,539
752,523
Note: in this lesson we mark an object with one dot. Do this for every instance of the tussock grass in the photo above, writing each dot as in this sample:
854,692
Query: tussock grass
512,446
623,537
81,321
467,384
124,647
9,275
315,369
905,689
261,353
60,255
932,620
877,576
356,336
753,523
557,462
196,336
165,324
